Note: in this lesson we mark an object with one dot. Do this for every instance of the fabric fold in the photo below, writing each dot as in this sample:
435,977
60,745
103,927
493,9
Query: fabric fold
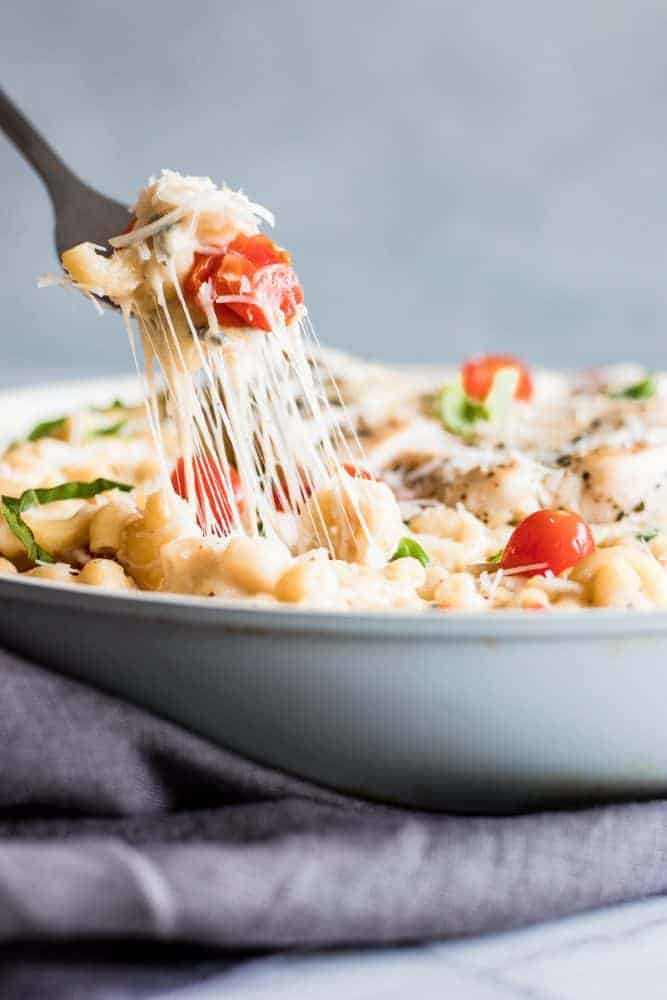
117,824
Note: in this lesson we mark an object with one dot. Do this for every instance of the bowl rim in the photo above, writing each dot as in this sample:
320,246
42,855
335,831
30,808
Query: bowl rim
244,616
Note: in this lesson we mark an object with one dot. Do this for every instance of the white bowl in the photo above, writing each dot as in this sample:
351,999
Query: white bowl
473,713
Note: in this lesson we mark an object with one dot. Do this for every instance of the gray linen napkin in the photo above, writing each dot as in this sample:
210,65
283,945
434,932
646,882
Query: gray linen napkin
117,824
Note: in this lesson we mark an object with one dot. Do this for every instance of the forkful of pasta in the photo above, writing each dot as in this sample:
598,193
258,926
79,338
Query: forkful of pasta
220,314
90,229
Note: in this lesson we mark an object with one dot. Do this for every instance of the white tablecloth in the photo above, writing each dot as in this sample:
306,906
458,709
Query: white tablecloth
612,954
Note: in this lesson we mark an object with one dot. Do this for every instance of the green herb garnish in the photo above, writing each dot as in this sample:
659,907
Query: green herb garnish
110,431
648,536
48,428
115,404
13,509
640,390
408,547
496,557
460,413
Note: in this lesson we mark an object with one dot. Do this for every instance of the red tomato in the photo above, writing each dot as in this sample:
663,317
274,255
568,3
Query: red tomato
259,250
478,375
205,264
357,473
212,482
204,268
256,269
281,495
306,489
556,540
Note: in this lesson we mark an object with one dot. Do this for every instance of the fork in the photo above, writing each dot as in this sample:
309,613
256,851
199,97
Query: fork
82,213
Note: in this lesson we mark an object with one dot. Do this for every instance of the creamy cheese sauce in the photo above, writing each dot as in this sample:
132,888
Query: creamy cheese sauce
139,540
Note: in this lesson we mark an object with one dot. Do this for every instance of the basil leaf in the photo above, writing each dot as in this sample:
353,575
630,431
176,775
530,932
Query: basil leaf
496,557
13,509
460,413
110,431
48,428
640,390
116,404
408,547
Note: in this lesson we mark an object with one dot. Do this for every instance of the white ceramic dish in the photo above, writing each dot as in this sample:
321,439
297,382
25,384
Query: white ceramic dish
478,713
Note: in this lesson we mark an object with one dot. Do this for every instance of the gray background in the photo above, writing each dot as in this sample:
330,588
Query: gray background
450,176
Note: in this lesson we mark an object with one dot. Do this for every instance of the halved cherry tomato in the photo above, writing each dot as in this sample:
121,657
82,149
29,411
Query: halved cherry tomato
478,375
212,482
255,269
552,540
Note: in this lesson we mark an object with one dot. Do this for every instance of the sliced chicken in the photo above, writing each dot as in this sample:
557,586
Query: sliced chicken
612,482
502,494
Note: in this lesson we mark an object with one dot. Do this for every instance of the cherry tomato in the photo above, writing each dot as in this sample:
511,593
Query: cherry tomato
212,482
478,375
256,269
556,540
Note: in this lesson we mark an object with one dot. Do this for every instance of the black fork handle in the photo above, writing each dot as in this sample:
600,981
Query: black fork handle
35,149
